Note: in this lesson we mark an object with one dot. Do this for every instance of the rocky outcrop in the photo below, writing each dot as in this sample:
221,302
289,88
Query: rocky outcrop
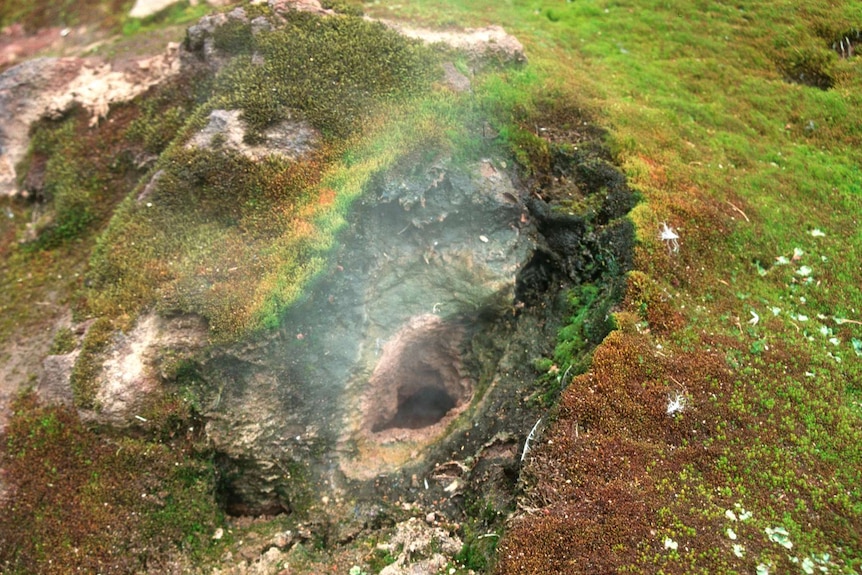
387,350
49,87
288,140
490,42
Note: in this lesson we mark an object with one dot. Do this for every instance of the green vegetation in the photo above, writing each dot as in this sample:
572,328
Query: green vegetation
746,167
36,15
100,501
89,363
738,124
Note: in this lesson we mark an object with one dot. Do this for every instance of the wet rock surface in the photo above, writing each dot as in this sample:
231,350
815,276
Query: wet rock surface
387,350
406,376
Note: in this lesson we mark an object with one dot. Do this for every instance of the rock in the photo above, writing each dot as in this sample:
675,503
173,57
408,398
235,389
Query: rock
49,87
135,364
270,562
400,320
457,81
421,549
144,8
312,6
54,385
147,8
289,139
479,43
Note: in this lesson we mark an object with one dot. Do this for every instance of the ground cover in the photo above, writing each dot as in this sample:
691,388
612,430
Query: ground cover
718,429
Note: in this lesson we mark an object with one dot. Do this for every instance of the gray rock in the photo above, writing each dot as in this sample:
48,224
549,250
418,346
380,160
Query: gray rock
54,385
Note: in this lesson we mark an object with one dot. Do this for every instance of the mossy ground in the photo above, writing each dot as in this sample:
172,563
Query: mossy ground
101,501
709,118
747,167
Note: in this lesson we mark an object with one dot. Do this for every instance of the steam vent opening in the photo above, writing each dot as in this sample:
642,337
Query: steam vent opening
418,385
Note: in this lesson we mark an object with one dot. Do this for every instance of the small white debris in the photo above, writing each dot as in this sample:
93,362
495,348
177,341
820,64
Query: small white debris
670,544
801,317
817,233
730,515
804,271
731,534
779,535
452,487
669,235
149,204
219,533
834,341
797,254
775,310
139,418
676,403
738,550
762,569
781,261
754,318
484,239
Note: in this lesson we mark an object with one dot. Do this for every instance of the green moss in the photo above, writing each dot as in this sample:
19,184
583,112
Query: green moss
64,342
348,7
93,501
330,69
36,15
89,364
234,37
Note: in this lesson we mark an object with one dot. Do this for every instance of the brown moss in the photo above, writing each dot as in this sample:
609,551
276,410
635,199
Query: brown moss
653,305
85,501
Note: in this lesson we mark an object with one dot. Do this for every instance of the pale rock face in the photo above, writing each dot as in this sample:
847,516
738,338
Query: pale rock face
289,139
48,87
144,8
131,374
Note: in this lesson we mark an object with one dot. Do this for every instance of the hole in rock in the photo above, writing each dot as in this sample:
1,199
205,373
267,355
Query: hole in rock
425,406
419,381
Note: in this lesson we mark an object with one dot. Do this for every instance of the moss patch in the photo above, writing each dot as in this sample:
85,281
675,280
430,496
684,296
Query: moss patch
92,501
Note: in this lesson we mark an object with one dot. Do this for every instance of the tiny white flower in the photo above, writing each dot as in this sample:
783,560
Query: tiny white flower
730,515
775,310
670,544
762,569
781,261
738,550
804,271
817,233
731,534
797,253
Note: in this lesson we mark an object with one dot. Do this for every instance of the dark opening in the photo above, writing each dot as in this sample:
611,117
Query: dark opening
421,404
